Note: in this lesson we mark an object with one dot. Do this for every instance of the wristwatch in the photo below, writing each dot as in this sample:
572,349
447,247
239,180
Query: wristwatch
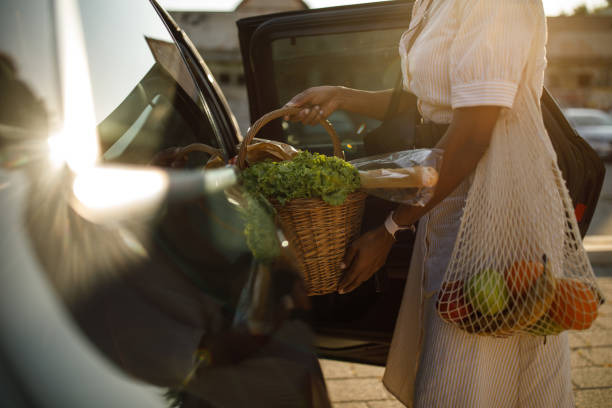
392,227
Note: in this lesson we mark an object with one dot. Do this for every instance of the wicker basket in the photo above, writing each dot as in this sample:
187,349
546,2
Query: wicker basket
318,232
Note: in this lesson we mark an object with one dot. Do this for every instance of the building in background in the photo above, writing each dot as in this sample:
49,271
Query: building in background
579,72
216,37
579,50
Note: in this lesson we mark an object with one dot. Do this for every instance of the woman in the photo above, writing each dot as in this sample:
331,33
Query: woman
474,64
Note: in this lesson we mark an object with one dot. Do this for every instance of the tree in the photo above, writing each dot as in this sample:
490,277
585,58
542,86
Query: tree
604,9
581,10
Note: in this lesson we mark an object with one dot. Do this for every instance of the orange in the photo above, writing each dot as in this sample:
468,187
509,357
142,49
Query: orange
522,275
575,304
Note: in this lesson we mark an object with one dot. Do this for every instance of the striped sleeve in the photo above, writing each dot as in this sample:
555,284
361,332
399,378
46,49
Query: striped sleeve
490,51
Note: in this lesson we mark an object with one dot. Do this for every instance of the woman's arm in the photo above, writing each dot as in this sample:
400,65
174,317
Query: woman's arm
321,101
464,144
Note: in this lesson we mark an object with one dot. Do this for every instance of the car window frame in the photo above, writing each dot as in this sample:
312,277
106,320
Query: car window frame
215,105
256,42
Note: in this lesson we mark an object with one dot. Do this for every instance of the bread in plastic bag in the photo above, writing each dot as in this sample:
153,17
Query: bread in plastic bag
405,177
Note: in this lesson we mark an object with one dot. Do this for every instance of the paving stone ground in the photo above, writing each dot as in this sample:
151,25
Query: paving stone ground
359,386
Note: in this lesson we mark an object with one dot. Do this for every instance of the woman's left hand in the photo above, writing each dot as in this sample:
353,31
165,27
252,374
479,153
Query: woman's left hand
365,256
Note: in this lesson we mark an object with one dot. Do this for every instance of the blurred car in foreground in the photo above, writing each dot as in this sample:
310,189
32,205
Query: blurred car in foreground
595,126
126,276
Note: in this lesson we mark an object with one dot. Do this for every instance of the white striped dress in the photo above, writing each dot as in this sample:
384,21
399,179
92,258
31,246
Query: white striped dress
470,53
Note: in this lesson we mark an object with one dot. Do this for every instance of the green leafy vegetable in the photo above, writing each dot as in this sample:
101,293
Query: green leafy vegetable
259,230
308,175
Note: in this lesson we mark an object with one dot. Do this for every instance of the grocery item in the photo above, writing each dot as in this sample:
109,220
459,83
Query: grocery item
417,176
307,175
534,299
453,305
522,274
575,304
487,292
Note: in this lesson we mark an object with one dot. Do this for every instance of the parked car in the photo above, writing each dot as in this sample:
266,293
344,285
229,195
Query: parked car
126,274
120,266
595,126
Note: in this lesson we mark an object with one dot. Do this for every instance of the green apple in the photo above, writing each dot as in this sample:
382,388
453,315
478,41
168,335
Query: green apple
487,292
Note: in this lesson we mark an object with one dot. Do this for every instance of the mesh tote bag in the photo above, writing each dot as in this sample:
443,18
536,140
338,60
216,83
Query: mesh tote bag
518,265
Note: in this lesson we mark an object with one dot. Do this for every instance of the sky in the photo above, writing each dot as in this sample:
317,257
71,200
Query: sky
552,7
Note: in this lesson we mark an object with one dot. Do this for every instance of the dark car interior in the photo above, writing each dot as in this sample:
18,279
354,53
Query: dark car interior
158,114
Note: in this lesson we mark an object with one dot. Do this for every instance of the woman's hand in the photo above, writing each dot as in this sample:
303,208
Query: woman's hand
318,103
365,256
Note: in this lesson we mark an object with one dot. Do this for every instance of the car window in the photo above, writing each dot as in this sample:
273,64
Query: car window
364,60
145,98
146,103
28,66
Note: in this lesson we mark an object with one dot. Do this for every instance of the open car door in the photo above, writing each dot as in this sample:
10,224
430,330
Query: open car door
355,46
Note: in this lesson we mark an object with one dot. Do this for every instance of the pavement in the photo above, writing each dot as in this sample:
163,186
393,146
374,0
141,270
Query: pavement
353,385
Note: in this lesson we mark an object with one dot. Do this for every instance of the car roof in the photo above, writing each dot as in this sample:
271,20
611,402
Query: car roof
584,111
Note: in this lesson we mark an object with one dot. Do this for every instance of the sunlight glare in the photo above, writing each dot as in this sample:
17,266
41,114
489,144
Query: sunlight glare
77,143
57,149
113,193
219,179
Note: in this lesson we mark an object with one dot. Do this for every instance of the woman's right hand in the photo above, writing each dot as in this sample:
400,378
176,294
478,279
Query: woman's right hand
317,102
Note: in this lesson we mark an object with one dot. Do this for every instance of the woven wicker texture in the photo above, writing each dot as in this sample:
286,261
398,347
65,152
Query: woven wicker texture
319,233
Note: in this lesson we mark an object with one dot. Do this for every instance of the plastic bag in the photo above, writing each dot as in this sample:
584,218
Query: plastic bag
406,177
262,149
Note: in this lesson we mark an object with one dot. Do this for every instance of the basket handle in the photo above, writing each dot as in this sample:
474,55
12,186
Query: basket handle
261,122
198,147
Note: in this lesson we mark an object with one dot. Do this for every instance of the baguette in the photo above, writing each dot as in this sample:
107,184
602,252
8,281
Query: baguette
410,177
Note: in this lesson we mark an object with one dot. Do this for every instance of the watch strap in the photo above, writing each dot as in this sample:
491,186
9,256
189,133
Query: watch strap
392,227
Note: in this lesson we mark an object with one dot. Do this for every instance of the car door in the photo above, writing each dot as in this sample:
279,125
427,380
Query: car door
354,46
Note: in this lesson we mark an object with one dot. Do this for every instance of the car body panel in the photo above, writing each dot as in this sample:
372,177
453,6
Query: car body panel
158,277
